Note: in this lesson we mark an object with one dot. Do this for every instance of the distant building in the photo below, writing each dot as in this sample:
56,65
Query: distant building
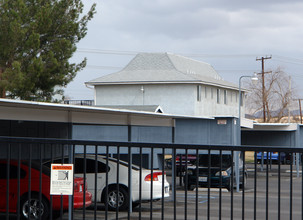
178,84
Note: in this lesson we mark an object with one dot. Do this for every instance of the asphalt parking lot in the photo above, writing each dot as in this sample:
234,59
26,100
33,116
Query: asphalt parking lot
231,203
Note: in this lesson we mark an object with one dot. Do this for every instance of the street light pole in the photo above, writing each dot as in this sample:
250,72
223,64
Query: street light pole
254,78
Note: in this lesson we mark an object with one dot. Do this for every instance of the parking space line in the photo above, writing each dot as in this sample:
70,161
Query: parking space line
193,196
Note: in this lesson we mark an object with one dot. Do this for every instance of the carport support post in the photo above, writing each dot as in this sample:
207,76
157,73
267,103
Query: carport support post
236,156
173,165
130,162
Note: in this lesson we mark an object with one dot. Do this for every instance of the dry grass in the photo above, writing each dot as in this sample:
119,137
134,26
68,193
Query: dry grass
249,156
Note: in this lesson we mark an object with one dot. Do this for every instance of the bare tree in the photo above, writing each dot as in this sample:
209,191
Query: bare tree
278,95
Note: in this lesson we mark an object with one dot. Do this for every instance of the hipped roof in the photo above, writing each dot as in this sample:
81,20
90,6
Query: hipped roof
164,68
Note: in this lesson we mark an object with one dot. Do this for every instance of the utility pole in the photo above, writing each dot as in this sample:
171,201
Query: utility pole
263,84
288,104
300,110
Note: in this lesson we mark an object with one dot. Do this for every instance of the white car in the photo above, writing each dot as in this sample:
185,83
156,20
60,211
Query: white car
123,202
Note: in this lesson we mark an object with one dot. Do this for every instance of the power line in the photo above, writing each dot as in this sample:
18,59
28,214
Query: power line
277,58
289,58
128,53
280,58
131,53
285,61
220,55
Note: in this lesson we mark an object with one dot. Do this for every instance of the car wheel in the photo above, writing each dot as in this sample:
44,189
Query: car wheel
229,185
33,209
117,198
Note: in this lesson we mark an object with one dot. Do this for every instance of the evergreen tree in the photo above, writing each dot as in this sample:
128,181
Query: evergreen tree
37,40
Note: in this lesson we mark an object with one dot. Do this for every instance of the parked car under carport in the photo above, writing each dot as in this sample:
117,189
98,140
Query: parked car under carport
219,174
119,197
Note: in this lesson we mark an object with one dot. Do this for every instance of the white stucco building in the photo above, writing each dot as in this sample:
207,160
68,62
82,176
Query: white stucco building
178,84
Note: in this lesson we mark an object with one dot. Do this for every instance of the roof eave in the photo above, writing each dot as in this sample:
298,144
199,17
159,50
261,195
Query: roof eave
165,82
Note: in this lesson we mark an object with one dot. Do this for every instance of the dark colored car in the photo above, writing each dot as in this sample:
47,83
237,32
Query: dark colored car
215,172
34,208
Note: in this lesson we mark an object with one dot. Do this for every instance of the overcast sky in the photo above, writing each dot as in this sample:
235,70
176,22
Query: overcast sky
228,34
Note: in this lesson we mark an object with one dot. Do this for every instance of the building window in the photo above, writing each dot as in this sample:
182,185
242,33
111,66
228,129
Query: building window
199,93
231,96
225,97
218,96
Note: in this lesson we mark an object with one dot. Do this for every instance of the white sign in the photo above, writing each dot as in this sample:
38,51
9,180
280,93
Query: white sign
62,179
222,122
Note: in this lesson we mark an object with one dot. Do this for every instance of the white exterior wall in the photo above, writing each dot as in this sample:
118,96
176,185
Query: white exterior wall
208,105
180,99
173,99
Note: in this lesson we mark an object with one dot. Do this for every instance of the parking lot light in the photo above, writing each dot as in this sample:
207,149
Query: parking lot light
254,79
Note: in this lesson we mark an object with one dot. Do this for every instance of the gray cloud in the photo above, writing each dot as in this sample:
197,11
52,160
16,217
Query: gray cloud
195,26
195,18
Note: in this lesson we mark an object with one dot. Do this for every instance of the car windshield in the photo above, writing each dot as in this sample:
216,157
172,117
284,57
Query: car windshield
215,160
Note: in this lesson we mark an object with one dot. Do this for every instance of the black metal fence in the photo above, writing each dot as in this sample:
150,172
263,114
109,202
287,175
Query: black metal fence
149,181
